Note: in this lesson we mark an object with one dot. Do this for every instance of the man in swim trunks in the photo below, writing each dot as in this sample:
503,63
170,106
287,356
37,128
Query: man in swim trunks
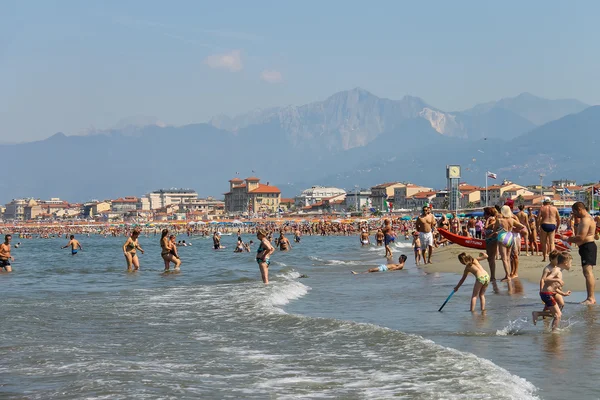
74,244
425,226
548,221
386,267
5,256
364,238
584,238
389,237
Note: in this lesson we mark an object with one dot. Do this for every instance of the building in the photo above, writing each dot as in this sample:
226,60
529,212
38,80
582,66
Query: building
164,197
333,204
287,204
95,208
124,204
205,206
470,196
15,210
498,194
358,200
382,194
403,193
563,182
316,194
420,199
251,196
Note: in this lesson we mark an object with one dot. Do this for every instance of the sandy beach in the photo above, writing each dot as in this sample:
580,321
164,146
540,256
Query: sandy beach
530,267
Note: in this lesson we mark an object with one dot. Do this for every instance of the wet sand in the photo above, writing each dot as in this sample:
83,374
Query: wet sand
530,267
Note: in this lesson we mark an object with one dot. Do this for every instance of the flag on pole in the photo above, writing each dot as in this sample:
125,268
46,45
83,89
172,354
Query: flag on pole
596,191
388,205
567,191
492,175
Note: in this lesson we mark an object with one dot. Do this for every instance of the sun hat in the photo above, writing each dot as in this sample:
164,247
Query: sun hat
547,199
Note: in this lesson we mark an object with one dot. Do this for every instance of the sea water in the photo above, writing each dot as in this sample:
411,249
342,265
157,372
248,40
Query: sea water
82,327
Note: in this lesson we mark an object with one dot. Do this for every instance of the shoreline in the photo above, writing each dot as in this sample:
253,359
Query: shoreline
530,267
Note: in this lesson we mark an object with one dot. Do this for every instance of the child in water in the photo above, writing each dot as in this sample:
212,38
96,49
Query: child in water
551,290
482,279
386,267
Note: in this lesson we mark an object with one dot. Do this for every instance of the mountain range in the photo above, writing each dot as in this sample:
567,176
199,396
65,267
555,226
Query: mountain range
351,138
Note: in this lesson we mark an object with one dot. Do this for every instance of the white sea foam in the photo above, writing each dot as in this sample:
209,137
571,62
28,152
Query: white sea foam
513,327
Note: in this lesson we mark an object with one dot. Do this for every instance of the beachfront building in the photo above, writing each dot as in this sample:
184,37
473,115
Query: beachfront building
164,197
420,199
403,194
497,194
287,204
333,204
124,204
358,200
206,207
561,183
470,196
250,196
94,208
317,194
383,194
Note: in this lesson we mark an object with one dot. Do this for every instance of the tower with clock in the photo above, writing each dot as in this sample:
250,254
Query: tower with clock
453,175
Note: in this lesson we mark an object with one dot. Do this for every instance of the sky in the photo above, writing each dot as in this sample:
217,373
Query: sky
75,66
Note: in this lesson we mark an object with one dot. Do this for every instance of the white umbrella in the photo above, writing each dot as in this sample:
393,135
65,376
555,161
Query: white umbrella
236,222
200,223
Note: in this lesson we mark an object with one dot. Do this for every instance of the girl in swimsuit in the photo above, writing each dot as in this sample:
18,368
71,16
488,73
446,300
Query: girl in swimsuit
482,279
165,253
265,249
129,250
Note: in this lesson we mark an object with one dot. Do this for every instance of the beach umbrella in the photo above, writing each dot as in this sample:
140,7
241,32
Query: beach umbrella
236,222
461,215
405,218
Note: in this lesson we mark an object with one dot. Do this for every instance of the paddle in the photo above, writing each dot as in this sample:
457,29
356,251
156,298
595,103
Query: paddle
451,294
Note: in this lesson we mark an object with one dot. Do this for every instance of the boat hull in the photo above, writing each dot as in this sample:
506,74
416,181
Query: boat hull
473,243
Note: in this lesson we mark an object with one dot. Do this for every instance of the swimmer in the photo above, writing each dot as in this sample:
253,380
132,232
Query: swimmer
482,279
264,251
5,256
364,238
74,244
129,251
389,237
386,267
284,243
552,287
165,253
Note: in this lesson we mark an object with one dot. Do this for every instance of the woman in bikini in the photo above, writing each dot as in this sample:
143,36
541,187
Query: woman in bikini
165,252
264,251
129,250
505,223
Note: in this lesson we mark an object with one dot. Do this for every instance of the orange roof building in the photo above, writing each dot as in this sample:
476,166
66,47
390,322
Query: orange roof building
250,196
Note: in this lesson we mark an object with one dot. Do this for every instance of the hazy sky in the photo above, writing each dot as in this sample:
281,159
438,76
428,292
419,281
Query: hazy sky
73,65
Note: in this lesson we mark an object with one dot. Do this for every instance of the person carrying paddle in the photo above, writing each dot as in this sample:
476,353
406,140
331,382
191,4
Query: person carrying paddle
482,279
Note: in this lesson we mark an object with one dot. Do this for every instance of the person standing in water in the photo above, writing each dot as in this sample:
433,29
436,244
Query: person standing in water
284,243
389,237
165,253
5,256
130,251
425,226
74,244
548,223
584,239
264,251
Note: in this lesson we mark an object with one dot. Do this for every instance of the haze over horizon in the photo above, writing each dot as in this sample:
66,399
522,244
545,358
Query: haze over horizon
75,66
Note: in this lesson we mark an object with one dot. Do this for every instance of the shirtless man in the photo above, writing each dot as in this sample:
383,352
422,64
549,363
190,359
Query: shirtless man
73,244
584,238
5,256
471,226
425,226
389,237
547,223
364,238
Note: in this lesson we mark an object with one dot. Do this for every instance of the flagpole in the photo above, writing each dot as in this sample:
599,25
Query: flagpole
486,189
